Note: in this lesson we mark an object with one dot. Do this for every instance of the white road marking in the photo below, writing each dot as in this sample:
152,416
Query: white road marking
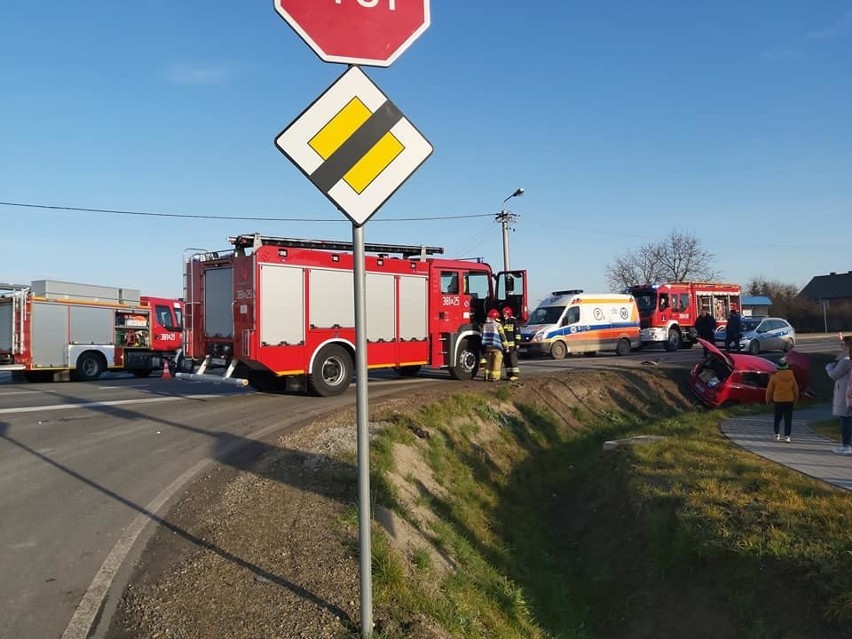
84,617
117,402
151,400
22,545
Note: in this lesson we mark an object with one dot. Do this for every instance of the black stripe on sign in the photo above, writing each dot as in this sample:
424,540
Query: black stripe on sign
356,147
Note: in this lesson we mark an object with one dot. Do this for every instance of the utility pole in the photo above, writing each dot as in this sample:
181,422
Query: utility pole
505,217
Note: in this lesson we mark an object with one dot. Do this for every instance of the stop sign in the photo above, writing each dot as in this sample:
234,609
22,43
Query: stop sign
364,32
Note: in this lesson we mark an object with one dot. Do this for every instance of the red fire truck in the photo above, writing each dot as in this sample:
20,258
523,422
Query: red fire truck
667,312
51,330
279,312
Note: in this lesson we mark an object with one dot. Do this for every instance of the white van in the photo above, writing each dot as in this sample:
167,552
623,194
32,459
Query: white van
577,322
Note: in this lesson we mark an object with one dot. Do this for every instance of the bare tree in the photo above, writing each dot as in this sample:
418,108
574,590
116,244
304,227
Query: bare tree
679,257
780,293
801,313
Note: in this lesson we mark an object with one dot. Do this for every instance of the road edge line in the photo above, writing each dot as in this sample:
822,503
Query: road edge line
90,605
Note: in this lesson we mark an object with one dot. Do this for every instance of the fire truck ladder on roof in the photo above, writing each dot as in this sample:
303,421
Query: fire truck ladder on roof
255,241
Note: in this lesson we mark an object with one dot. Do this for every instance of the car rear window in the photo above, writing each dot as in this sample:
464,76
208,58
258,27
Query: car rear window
758,380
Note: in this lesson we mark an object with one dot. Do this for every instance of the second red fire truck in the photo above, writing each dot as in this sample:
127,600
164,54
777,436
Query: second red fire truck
667,312
279,312
53,330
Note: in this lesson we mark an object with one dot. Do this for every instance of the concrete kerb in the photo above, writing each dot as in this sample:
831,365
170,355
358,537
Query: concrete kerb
808,453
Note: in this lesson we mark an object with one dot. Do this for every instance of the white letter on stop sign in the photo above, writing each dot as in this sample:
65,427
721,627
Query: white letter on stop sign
369,4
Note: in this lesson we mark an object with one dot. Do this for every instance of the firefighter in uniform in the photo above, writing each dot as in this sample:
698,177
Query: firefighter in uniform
512,329
493,345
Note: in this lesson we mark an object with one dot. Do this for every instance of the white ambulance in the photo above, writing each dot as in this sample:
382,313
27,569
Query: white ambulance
570,322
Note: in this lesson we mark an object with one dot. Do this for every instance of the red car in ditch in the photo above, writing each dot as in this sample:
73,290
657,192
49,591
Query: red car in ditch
723,379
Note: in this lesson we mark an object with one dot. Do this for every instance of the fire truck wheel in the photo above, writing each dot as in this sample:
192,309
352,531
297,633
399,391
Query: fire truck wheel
332,372
89,367
558,350
623,347
674,341
407,371
467,360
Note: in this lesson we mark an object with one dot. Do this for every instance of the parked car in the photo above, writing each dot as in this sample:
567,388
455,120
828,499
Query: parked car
722,379
762,334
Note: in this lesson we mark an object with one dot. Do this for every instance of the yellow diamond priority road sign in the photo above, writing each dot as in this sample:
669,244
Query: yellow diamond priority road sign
354,145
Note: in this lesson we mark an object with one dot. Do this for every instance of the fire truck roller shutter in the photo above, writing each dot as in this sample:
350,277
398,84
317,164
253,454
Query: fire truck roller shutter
6,326
218,302
413,303
282,311
381,298
49,331
332,300
92,325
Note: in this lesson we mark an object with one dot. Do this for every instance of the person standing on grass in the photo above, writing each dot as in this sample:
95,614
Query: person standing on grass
838,370
782,391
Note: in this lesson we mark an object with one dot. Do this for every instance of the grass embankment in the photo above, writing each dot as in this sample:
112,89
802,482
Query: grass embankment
511,521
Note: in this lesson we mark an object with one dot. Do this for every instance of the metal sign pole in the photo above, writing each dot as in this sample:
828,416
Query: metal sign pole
362,412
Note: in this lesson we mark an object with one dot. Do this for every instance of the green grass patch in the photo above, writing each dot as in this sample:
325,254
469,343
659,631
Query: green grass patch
550,536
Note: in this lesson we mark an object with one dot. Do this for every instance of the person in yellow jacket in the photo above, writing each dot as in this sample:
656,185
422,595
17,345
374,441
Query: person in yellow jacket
782,391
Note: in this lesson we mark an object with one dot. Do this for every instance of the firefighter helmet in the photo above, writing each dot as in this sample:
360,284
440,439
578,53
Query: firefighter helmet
507,311
493,314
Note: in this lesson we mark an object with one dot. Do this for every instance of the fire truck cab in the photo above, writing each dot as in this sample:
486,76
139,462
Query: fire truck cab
278,313
667,312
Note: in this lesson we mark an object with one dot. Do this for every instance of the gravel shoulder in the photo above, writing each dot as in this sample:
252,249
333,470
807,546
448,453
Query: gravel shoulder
268,552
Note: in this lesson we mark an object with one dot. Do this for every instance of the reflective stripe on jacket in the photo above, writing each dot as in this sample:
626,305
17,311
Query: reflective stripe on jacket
513,332
493,335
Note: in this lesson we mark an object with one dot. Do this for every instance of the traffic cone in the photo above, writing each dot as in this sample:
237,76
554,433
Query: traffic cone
167,374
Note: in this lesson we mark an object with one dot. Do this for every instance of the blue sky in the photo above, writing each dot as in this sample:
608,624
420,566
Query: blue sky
621,120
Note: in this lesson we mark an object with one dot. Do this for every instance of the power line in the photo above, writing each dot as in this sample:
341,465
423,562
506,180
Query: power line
30,205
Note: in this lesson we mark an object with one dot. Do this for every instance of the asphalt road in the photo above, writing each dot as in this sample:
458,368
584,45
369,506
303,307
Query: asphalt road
83,463
85,468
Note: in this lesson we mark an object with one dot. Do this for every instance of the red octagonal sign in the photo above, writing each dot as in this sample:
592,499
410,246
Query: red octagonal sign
365,32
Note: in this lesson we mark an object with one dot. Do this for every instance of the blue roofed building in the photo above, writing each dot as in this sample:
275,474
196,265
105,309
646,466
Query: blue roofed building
755,305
